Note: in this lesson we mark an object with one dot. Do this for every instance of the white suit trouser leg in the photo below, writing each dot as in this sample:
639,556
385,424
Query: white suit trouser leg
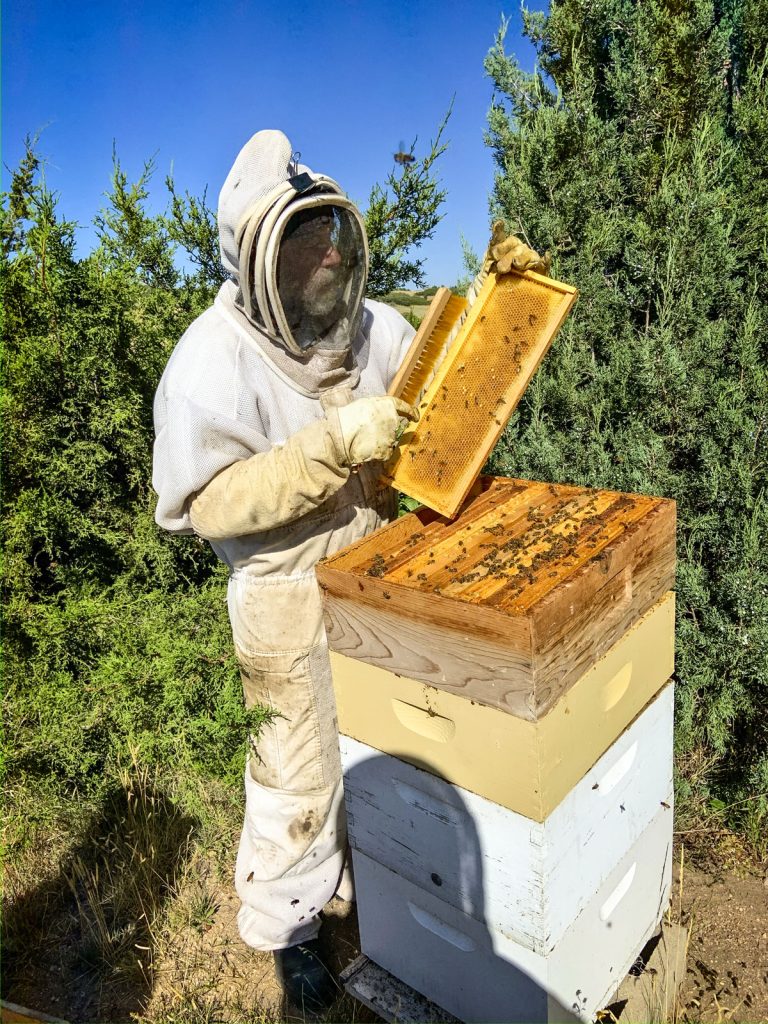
291,855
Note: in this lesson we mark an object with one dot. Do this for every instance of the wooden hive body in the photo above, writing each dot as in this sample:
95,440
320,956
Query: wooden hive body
479,974
527,879
510,603
526,766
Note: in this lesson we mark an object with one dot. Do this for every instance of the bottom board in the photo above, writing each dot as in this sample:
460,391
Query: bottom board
389,997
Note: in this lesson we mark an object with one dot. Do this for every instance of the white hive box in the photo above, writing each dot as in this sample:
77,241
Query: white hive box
479,974
525,879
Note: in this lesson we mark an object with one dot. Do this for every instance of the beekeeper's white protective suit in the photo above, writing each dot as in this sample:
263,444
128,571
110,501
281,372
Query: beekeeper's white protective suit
257,450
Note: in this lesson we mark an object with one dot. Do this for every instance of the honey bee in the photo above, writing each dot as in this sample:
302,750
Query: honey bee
404,156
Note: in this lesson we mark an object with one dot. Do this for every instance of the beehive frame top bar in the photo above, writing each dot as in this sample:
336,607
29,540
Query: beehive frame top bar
513,544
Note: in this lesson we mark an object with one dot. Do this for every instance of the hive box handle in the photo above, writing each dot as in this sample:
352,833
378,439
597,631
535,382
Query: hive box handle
617,771
617,686
618,894
424,723
441,929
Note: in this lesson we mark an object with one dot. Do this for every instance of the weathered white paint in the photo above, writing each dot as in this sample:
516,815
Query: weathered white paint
478,974
527,879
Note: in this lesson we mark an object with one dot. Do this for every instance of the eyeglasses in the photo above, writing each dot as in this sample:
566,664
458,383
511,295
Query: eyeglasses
313,232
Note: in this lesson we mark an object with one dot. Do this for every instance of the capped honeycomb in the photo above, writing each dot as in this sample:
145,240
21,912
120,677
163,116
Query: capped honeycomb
477,387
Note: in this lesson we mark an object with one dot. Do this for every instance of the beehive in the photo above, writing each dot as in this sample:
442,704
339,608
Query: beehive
478,383
506,740
510,603
527,879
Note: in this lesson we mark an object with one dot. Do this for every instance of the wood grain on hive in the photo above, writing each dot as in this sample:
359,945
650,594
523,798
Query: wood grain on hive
510,603
477,387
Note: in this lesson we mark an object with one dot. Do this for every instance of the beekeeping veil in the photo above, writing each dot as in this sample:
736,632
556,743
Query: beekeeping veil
297,248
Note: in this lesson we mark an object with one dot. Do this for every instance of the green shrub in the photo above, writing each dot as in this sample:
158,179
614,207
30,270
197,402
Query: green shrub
116,638
638,154
115,633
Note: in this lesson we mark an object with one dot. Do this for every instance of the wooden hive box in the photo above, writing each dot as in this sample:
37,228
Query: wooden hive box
510,603
478,973
527,767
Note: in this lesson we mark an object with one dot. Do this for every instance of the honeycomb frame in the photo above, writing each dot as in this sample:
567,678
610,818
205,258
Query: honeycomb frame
482,378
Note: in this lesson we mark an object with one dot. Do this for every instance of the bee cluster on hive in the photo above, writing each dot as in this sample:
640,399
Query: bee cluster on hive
513,547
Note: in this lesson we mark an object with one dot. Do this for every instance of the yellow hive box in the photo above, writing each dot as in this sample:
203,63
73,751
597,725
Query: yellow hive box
527,766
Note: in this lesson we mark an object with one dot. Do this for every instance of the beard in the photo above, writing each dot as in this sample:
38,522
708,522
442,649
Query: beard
317,312
324,291
313,310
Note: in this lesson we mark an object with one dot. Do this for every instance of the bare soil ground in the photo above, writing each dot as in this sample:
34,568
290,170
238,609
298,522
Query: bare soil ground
727,968
198,970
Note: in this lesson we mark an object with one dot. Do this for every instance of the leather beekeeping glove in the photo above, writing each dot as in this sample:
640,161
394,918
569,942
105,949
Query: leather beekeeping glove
369,426
276,487
508,252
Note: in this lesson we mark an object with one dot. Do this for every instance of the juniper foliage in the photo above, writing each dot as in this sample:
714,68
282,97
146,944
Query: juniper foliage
402,214
115,633
637,152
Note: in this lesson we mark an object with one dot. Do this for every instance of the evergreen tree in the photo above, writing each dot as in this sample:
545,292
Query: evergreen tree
401,214
637,152
114,633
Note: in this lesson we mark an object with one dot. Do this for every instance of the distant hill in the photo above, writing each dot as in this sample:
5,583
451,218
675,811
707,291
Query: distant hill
412,304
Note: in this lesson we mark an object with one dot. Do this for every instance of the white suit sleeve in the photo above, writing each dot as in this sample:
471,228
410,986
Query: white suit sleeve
273,488
198,447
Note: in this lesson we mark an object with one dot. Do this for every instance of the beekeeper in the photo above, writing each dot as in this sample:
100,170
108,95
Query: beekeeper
271,421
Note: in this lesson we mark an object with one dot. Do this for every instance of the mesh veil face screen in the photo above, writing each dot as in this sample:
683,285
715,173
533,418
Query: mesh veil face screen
477,388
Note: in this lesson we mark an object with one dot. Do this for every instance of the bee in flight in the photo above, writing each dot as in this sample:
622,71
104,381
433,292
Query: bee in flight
403,156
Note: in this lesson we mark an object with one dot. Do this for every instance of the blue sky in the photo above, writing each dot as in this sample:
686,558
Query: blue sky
189,83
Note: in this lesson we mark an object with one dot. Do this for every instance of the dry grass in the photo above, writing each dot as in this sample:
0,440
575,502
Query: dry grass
84,896
125,910
203,971
727,836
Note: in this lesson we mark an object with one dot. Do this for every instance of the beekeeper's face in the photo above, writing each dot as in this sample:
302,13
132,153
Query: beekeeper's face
320,252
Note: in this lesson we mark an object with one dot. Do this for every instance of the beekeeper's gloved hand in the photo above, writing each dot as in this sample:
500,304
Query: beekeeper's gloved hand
369,426
508,252
277,487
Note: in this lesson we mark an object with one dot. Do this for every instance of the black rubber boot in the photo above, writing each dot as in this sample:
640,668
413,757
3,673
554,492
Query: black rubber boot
307,982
